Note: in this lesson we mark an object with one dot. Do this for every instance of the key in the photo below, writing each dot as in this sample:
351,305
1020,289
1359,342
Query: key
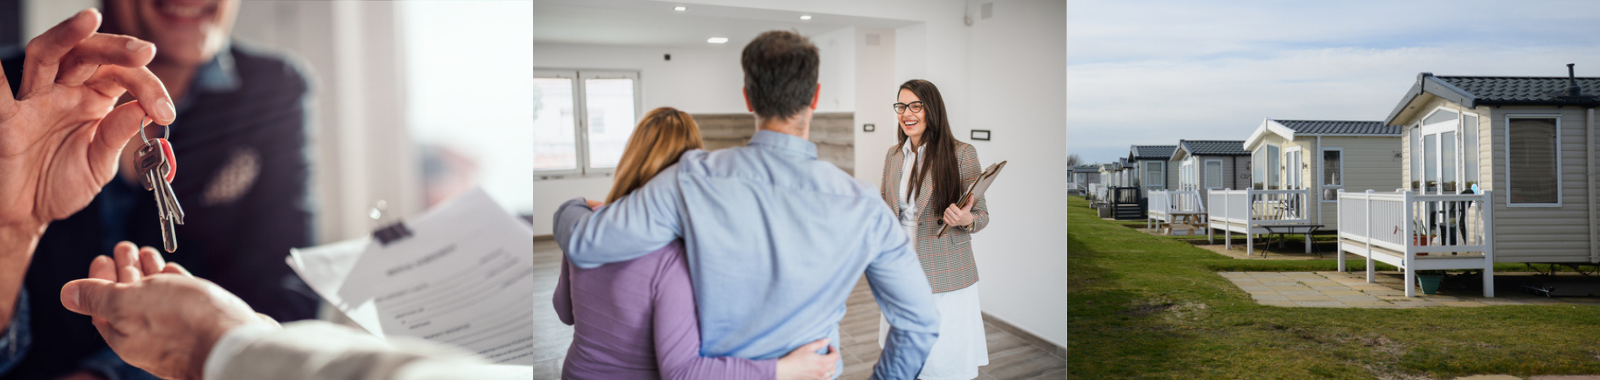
157,167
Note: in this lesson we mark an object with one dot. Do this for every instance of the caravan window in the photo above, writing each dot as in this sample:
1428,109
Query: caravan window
1213,174
1332,173
1533,172
1155,174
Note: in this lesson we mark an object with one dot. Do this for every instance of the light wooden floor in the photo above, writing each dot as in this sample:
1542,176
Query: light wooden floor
1010,357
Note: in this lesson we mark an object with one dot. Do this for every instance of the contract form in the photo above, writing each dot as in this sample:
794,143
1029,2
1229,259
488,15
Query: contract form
462,278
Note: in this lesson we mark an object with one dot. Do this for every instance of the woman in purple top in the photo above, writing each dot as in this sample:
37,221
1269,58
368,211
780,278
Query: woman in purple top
636,319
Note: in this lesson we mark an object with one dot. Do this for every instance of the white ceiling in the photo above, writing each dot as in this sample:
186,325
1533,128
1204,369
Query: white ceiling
654,23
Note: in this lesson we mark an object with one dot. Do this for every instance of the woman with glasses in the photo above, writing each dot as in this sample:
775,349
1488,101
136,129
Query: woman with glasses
924,176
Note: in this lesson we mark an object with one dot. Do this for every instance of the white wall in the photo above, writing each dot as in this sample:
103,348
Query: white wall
1016,87
837,73
875,95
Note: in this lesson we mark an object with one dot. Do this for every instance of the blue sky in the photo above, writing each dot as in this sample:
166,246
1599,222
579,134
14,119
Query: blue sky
1153,72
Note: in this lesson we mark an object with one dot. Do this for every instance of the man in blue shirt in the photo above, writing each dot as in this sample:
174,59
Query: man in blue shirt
776,239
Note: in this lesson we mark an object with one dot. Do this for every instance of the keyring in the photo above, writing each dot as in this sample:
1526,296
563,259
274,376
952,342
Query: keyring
167,135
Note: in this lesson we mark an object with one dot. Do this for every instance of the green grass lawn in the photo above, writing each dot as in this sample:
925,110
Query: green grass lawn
1141,306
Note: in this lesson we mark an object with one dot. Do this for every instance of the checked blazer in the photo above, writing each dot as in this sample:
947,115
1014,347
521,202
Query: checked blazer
947,261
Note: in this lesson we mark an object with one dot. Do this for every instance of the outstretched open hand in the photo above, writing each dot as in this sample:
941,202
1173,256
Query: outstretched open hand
60,136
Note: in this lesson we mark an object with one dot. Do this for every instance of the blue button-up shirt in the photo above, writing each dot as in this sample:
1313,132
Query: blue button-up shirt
776,241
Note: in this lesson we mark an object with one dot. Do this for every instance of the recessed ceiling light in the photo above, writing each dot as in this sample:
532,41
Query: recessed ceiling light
805,17
680,8
717,40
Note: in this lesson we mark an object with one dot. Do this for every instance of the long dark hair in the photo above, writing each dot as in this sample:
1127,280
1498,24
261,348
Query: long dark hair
939,152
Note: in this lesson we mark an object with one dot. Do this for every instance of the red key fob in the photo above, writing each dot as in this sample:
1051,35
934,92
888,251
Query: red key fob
172,159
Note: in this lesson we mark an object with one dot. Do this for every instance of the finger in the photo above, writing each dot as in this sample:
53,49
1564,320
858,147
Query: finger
102,49
112,81
45,51
816,345
114,132
127,266
103,267
90,296
8,104
174,268
150,261
269,319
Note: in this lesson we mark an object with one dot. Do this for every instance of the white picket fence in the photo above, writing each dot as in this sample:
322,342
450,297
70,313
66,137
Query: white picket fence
1167,205
1419,232
1250,211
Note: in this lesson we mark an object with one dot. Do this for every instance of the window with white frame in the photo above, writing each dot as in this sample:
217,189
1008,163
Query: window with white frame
1533,163
1332,173
1469,151
1186,175
582,120
1213,174
1155,174
1266,171
1294,171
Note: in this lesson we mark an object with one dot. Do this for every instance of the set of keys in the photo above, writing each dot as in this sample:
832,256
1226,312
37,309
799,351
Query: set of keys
156,167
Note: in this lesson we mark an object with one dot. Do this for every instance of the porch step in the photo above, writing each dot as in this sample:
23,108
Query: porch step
1128,212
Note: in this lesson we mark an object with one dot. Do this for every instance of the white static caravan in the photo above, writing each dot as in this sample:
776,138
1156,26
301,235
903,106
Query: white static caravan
1202,165
1212,165
1324,156
1524,146
1080,177
1153,167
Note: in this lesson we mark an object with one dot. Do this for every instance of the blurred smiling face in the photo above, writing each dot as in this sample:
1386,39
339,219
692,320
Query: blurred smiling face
186,32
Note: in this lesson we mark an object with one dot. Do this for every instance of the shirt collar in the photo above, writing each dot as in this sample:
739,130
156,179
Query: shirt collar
906,149
783,142
217,76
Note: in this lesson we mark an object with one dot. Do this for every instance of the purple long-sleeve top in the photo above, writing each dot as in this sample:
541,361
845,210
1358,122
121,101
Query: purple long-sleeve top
636,320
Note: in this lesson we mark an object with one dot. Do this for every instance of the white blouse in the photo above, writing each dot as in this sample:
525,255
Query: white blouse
908,208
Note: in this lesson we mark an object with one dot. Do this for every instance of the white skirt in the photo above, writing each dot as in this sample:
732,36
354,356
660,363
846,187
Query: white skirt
962,346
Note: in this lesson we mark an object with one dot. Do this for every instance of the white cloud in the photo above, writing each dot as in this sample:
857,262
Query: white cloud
1144,73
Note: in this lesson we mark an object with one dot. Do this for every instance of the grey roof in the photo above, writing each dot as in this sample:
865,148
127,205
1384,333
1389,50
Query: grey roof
1472,91
1086,168
1214,147
1152,151
1339,127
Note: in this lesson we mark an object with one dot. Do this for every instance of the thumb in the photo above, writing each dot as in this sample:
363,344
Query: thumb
87,296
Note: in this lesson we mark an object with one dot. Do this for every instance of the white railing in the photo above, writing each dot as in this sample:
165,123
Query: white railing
1456,229
1164,204
1160,205
1258,207
1250,211
1097,191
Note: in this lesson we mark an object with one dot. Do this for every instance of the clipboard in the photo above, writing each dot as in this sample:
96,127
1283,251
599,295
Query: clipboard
978,188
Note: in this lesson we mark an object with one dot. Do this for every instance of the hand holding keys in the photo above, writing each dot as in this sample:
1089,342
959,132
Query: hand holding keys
156,167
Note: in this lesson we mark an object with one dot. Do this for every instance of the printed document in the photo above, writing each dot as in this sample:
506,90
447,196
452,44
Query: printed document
462,278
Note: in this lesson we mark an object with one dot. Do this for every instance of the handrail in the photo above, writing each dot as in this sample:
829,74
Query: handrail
1417,223
1253,207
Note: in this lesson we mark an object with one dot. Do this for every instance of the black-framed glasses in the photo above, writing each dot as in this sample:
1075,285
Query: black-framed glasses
914,106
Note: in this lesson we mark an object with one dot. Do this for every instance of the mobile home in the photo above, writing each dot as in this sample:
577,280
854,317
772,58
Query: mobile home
1494,169
1324,156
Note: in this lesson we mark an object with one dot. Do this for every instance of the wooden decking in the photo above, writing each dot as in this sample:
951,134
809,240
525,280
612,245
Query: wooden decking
1010,356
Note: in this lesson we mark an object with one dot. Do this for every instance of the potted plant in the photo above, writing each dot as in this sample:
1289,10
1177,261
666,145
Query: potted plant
1429,280
1421,235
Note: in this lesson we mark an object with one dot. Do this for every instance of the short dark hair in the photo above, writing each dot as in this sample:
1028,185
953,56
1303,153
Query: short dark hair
780,73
